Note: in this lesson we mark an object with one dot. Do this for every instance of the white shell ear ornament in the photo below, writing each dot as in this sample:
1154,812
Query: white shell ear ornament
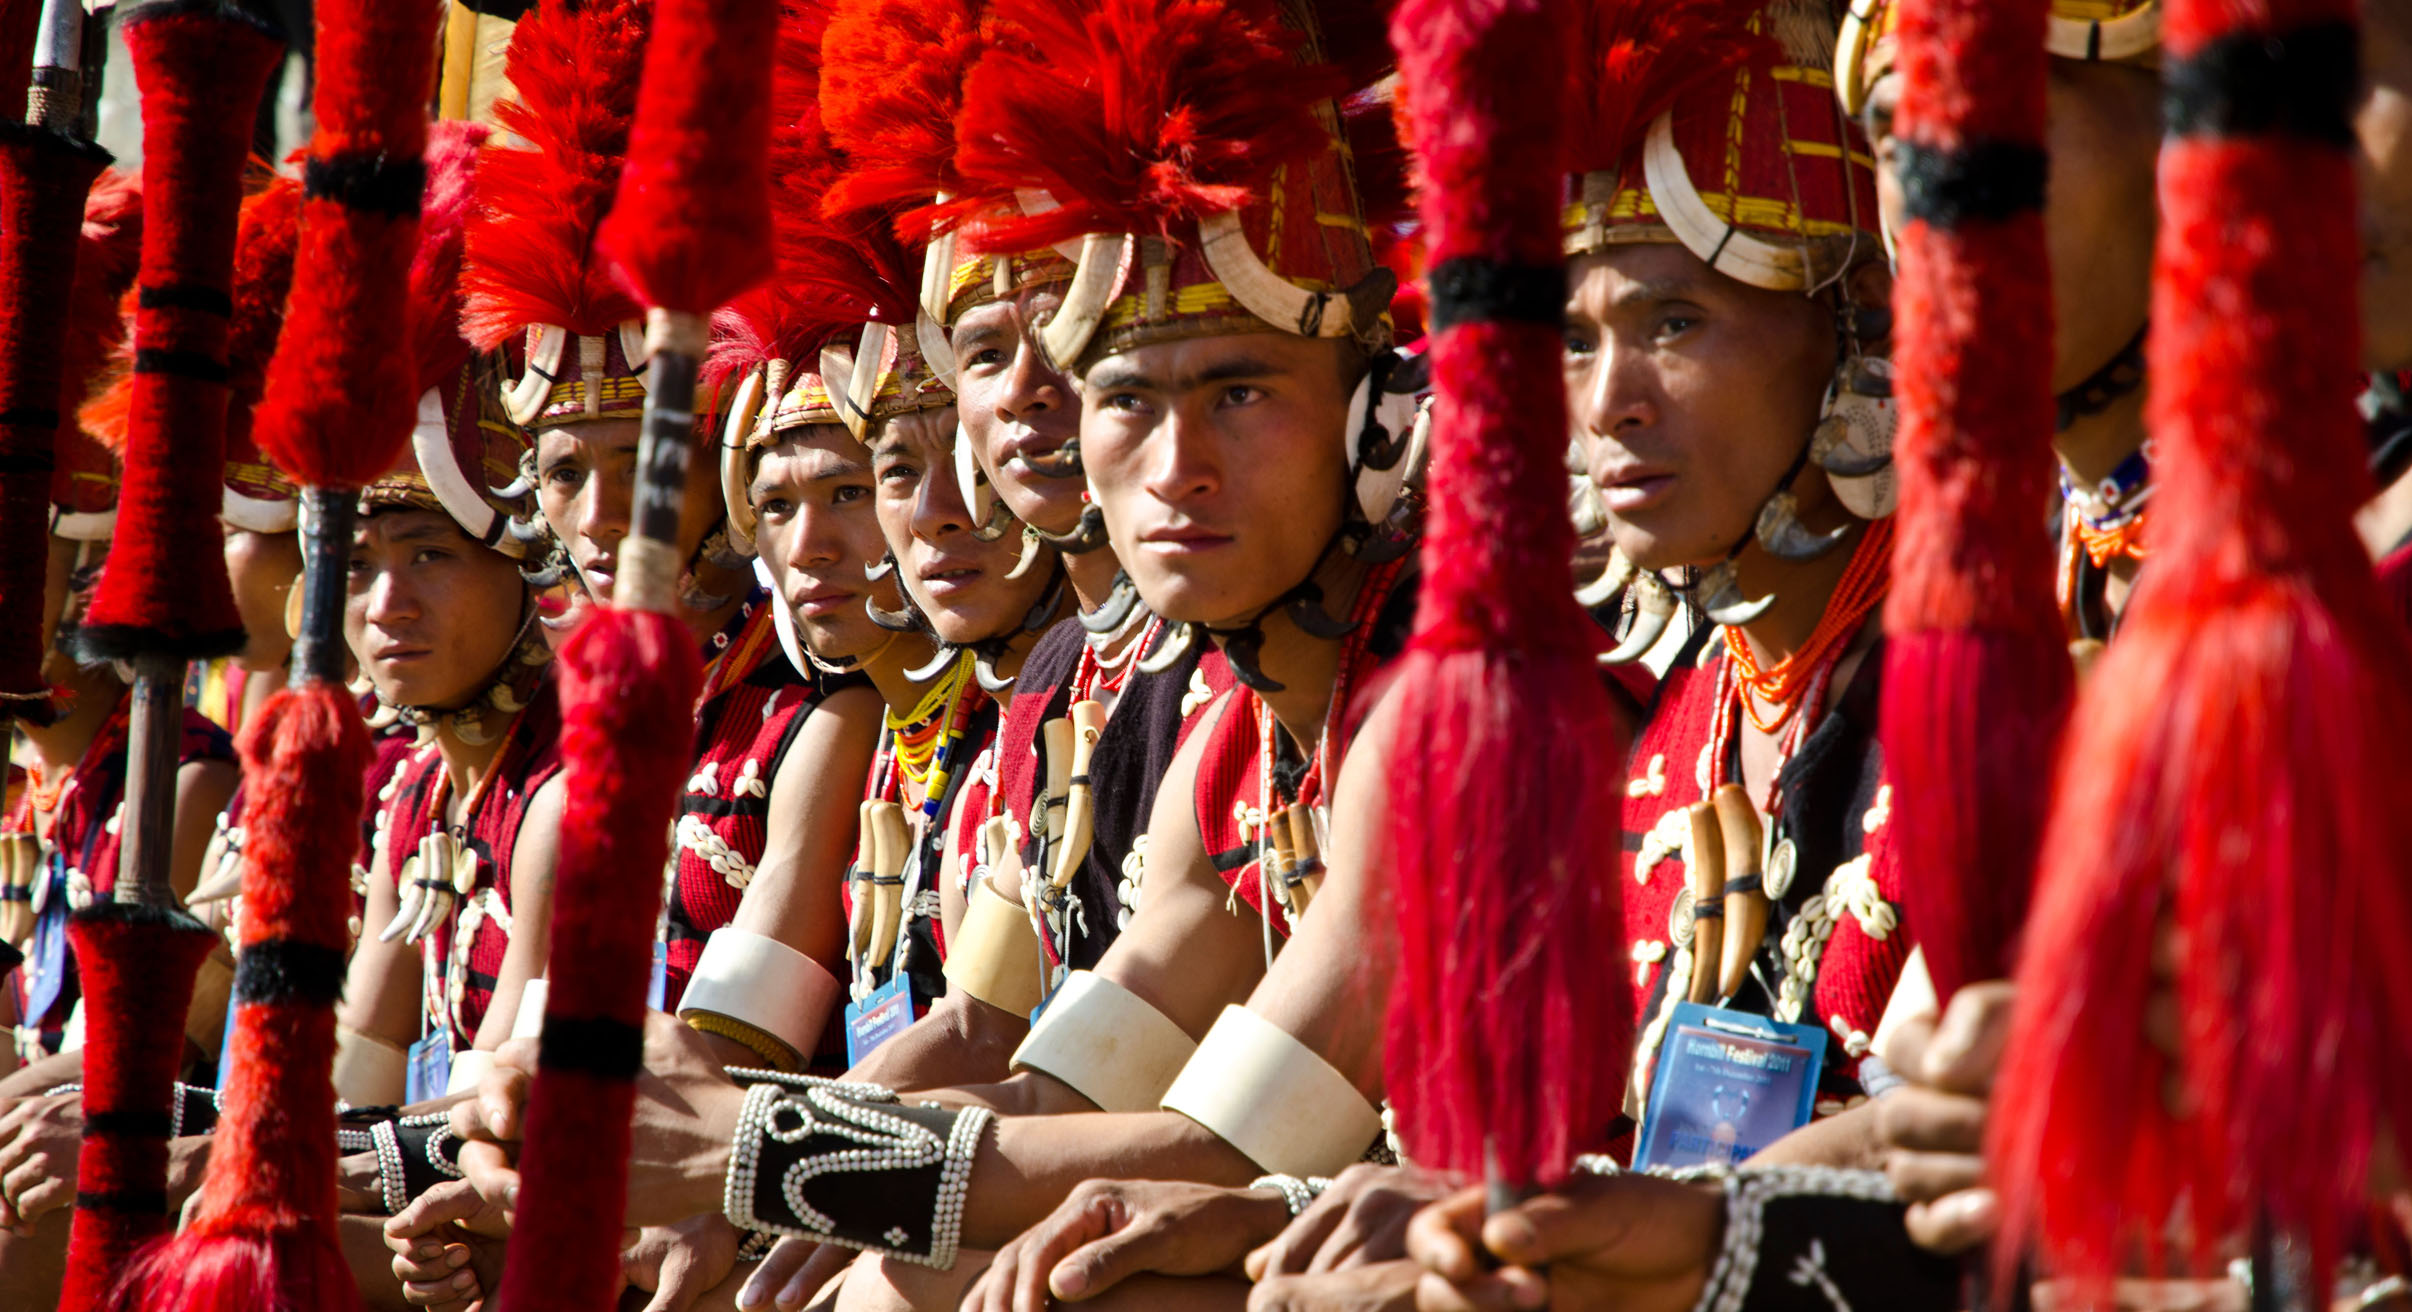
1853,442
1387,431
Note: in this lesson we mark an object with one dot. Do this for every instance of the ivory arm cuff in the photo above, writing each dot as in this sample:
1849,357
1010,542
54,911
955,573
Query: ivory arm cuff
369,1070
1107,1042
469,1067
1274,1098
994,956
766,987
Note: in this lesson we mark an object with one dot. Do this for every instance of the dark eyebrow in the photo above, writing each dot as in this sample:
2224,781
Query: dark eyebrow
1656,290
829,469
1239,368
977,335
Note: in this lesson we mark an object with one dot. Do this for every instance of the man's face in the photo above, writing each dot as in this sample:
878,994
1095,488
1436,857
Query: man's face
1692,393
2104,137
1219,464
1017,408
958,581
585,482
431,613
2384,168
263,567
816,527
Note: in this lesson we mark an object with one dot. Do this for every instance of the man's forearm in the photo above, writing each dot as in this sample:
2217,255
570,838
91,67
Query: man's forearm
960,1043
41,1076
1029,1165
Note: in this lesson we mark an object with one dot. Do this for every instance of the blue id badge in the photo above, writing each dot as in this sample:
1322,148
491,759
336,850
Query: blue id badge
658,987
883,1014
430,1067
1728,1084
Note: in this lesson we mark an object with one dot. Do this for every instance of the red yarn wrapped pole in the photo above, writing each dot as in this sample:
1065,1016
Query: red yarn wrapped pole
1503,820
690,230
163,597
2236,773
628,681
1977,678
44,178
337,408
201,68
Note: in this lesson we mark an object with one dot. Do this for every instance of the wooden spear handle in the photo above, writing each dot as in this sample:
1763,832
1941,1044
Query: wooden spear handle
1745,898
1080,803
1708,901
858,880
891,847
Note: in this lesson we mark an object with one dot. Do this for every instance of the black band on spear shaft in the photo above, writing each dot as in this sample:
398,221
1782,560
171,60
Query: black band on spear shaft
188,296
374,183
284,970
326,518
1476,289
662,450
1981,181
2299,84
601,1046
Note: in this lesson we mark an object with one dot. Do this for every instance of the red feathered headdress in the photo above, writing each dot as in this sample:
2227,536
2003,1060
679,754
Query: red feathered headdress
1171,125
533,269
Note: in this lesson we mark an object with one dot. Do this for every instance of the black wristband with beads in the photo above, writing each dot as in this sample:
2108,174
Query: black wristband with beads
852,1164
1815,1239
414,1153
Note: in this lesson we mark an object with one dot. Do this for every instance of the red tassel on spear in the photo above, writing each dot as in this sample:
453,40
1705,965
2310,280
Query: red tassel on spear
1977,678
689,232
337,409
2235,772
1502,826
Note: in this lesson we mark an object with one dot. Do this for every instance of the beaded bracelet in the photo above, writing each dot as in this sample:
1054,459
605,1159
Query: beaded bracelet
1786,1225
851,1164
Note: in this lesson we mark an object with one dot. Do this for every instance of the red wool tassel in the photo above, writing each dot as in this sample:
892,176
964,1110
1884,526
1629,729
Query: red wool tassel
164,591
628,681
2235,774
1503,827
691,228
44,178
1977,678
263,1239
136,964
342,393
